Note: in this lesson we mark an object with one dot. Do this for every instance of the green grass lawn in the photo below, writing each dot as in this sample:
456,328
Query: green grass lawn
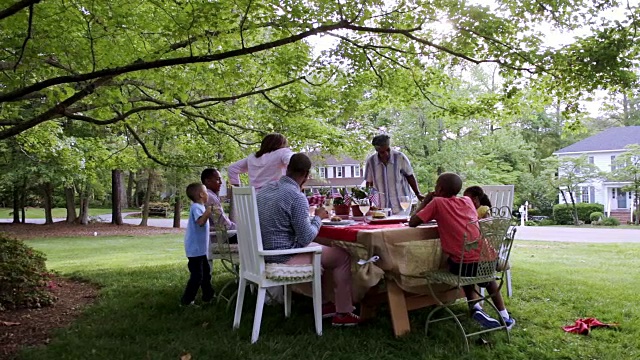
137,315
38,213
588,226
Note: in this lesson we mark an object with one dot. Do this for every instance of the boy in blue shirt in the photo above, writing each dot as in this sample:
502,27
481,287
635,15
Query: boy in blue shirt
196,241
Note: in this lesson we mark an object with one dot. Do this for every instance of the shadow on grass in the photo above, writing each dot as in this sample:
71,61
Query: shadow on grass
137,317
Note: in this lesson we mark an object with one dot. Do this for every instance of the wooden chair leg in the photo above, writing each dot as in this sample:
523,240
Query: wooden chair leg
242,285
398,309
257,319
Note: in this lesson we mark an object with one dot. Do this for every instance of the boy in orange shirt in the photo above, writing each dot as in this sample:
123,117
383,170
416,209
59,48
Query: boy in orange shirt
453,214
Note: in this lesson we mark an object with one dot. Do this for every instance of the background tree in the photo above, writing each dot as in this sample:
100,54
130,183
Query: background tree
628,169
567,173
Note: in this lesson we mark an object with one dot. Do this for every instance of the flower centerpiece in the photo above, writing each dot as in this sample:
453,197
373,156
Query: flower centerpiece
341,203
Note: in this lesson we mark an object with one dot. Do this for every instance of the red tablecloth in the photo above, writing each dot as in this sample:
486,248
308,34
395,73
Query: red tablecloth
349,233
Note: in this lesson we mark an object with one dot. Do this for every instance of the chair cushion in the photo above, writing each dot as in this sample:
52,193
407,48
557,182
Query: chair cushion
284,272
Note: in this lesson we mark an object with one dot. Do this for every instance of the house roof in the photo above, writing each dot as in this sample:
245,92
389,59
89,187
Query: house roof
320,159
611,139
335,182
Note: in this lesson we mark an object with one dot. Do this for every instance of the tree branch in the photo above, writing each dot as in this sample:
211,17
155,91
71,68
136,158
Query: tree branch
17,7
424,94
26,39
147,65
144,146
210,126
409,34
53,111
209,119
244,19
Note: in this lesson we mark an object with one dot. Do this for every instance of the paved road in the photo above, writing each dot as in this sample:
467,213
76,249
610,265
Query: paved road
540,233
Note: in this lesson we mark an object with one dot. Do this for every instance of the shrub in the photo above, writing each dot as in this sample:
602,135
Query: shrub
610,221
562,213
534,212
546,222
530,223
595,216
23,275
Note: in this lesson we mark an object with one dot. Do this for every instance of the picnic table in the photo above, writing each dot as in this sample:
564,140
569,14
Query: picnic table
404,255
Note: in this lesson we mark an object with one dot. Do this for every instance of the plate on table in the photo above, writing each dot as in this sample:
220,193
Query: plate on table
341,222
393,219
428,224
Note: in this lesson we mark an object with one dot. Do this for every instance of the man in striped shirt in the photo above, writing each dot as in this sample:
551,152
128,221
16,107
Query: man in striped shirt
283,211
390,172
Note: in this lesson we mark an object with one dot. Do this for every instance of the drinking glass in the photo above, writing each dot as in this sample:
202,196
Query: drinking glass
405,203
364,206
328,204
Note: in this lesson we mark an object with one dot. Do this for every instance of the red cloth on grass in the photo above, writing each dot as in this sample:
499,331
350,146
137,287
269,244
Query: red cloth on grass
350,233
583,326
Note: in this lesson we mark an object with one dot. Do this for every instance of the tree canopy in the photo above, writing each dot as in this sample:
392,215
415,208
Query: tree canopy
241,68
94,86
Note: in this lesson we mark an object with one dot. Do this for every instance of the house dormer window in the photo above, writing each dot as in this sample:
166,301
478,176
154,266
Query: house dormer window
356,171
590,159
613,162
323,172
339,171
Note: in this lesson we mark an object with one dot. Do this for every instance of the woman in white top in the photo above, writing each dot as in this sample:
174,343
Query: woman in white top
266,165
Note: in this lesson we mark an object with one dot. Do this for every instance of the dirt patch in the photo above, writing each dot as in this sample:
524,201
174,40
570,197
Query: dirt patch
62,229
32,327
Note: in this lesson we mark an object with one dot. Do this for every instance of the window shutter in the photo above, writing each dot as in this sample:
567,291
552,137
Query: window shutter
592,194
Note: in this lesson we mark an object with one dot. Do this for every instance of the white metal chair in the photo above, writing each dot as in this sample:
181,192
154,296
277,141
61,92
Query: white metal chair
254,269
501,196
220,249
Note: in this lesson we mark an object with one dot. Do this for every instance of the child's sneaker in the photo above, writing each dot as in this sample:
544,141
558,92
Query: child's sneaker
510,322
348,319
328,310
485,320
190,305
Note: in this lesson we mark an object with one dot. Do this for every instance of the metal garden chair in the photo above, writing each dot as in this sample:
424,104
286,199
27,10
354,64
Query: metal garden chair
488,237
220,249
501,196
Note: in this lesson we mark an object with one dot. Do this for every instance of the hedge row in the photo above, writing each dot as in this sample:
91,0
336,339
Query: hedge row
563,213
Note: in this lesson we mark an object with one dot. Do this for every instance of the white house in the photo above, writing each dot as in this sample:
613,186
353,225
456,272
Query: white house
602,150
335,172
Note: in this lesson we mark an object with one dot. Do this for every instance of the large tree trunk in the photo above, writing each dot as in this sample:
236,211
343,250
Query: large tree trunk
69,195
47,188
16,205
130,184
147,197
116,197
83,192
177,208
124,202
